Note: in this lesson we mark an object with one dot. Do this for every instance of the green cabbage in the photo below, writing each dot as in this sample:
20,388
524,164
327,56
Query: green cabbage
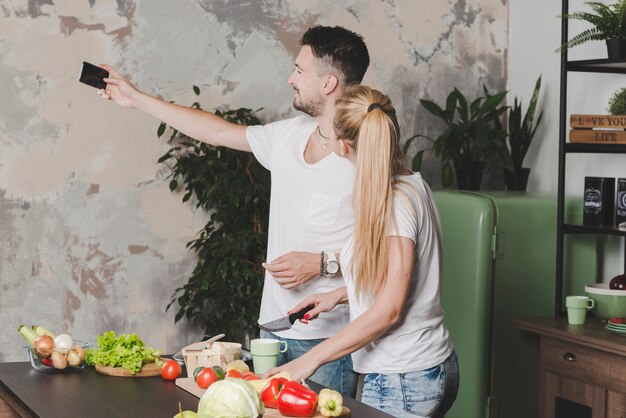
231,398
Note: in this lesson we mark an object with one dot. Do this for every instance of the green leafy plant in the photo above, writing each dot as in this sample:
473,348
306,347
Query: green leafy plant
521,131
224,290
617,103
472,136
609,22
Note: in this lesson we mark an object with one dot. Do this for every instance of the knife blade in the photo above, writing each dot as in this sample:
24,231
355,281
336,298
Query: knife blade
285,322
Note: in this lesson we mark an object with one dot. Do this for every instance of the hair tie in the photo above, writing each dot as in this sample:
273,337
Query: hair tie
374,106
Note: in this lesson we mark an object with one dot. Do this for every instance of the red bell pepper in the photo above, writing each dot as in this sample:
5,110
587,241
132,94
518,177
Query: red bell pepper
269,393
296,400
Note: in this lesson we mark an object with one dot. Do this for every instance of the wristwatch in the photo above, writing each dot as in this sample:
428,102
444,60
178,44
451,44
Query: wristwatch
331,265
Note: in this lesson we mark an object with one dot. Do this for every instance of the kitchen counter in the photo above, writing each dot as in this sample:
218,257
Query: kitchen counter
87,393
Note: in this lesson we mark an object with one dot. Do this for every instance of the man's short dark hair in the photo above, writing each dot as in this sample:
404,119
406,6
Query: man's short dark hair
342,49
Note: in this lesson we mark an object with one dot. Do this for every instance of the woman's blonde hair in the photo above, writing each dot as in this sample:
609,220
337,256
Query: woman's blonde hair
366,119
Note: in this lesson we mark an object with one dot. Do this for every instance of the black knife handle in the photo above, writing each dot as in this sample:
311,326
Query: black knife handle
300,314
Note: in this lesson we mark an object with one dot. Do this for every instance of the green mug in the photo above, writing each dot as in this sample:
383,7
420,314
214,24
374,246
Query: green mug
577,307
265,353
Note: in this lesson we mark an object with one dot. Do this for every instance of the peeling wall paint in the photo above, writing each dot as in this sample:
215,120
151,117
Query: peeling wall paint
92,239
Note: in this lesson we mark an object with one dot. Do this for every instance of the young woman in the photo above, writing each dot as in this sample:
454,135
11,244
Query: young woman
392,268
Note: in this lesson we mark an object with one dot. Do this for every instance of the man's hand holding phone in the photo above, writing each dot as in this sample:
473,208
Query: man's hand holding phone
110,84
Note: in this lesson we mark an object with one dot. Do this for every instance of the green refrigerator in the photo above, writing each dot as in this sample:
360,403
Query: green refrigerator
499,264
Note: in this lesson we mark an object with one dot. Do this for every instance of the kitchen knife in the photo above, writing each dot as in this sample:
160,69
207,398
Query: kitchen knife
285,322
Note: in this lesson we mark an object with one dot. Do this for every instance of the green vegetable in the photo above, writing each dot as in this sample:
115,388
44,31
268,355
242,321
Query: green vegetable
28,334
232,398
219,371
126,350
43,331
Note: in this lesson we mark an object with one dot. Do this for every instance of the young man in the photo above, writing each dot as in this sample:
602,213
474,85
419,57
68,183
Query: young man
310,205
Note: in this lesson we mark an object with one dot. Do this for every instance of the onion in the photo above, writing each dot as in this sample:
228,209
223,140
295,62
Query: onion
80,351
44,345
73,358
63,342
58,360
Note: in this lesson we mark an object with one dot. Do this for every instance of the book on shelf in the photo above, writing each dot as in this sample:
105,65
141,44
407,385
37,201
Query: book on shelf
597,136
598,121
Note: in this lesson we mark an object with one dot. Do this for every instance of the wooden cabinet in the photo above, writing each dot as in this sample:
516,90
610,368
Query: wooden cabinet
582,369
615,405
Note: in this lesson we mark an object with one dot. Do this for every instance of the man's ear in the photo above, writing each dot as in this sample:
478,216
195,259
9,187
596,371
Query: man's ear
330,84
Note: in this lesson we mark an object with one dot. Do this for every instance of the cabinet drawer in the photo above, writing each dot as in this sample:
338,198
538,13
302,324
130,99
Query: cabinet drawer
588,364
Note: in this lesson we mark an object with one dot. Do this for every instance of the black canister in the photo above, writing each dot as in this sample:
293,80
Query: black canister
598,201
620,213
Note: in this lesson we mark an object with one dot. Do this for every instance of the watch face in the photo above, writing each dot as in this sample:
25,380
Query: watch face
332,267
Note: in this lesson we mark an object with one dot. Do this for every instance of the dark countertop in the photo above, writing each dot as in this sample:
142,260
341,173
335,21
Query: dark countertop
87,393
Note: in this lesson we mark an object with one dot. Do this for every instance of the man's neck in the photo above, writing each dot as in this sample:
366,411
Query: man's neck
322,141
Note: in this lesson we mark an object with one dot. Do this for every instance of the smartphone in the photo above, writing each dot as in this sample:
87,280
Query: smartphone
93,75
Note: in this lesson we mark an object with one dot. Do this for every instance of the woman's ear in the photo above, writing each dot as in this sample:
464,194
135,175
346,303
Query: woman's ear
344,148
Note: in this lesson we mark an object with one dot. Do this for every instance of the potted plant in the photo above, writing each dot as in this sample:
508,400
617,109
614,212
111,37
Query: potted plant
520,135
224,290
470,140
609,24
617,103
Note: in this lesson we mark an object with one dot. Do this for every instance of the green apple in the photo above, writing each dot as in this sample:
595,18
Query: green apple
186,414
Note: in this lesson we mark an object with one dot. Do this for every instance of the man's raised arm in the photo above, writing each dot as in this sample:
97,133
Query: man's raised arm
195,123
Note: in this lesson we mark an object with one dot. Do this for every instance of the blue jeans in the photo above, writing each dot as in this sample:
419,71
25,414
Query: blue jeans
337,375
426,393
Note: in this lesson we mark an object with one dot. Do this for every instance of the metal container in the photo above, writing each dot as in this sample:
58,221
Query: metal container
599,199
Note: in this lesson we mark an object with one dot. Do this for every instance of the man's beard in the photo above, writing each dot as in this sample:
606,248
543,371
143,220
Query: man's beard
313,107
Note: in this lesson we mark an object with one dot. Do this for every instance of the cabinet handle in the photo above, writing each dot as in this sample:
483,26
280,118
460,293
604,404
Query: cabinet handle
569,357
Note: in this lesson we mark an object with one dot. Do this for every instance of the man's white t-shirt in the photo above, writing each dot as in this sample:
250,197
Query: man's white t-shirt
420,340
310,210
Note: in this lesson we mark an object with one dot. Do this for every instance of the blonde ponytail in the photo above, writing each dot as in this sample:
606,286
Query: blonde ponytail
366,119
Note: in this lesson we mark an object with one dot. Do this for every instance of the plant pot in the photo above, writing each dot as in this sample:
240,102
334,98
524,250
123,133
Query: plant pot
469,176
616,48
518,180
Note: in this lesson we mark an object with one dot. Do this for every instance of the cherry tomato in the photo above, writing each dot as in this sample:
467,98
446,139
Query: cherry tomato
250,376
206,378
171,370
234,373
47,361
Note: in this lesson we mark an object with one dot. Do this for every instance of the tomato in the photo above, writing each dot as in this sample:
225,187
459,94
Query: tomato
234,373
206,378
171,370
198,370
617,320
250,376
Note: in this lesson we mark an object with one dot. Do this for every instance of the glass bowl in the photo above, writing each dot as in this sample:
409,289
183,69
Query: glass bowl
39,365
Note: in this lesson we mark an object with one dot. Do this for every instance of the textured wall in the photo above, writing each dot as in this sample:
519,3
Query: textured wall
92,239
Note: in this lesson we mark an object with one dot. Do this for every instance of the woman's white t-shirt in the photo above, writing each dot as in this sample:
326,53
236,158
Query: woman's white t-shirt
420,340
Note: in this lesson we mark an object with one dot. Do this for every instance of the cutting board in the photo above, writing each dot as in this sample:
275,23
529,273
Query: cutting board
147,370
190,386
